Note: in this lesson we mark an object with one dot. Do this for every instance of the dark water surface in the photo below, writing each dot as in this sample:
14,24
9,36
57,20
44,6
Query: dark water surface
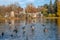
43,29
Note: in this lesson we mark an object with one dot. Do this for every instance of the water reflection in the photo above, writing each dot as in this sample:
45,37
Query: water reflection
58,29
42,29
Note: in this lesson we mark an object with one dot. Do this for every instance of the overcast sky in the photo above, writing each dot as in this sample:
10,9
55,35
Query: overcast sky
23,3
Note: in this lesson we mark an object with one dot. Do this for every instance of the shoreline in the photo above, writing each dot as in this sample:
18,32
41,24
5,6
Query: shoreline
24,18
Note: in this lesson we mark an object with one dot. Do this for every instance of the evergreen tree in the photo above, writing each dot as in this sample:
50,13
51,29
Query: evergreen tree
55,7
50,9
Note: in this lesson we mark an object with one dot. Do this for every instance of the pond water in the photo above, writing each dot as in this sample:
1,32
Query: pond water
35,29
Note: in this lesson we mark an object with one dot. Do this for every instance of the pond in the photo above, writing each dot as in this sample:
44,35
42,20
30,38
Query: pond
35,29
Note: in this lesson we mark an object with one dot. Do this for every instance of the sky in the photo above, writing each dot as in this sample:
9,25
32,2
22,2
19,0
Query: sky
23,3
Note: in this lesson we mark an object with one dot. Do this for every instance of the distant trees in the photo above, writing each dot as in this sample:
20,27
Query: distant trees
55,7
2,10
15,8
30,9
58,8
9,8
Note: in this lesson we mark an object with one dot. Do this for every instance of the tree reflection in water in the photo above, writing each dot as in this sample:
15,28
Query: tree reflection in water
33,30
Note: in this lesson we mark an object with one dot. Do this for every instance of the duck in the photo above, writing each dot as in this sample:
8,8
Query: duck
9,22
43,24
15,30
2,34
11,35
32,27
45,30
24,31
23,27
